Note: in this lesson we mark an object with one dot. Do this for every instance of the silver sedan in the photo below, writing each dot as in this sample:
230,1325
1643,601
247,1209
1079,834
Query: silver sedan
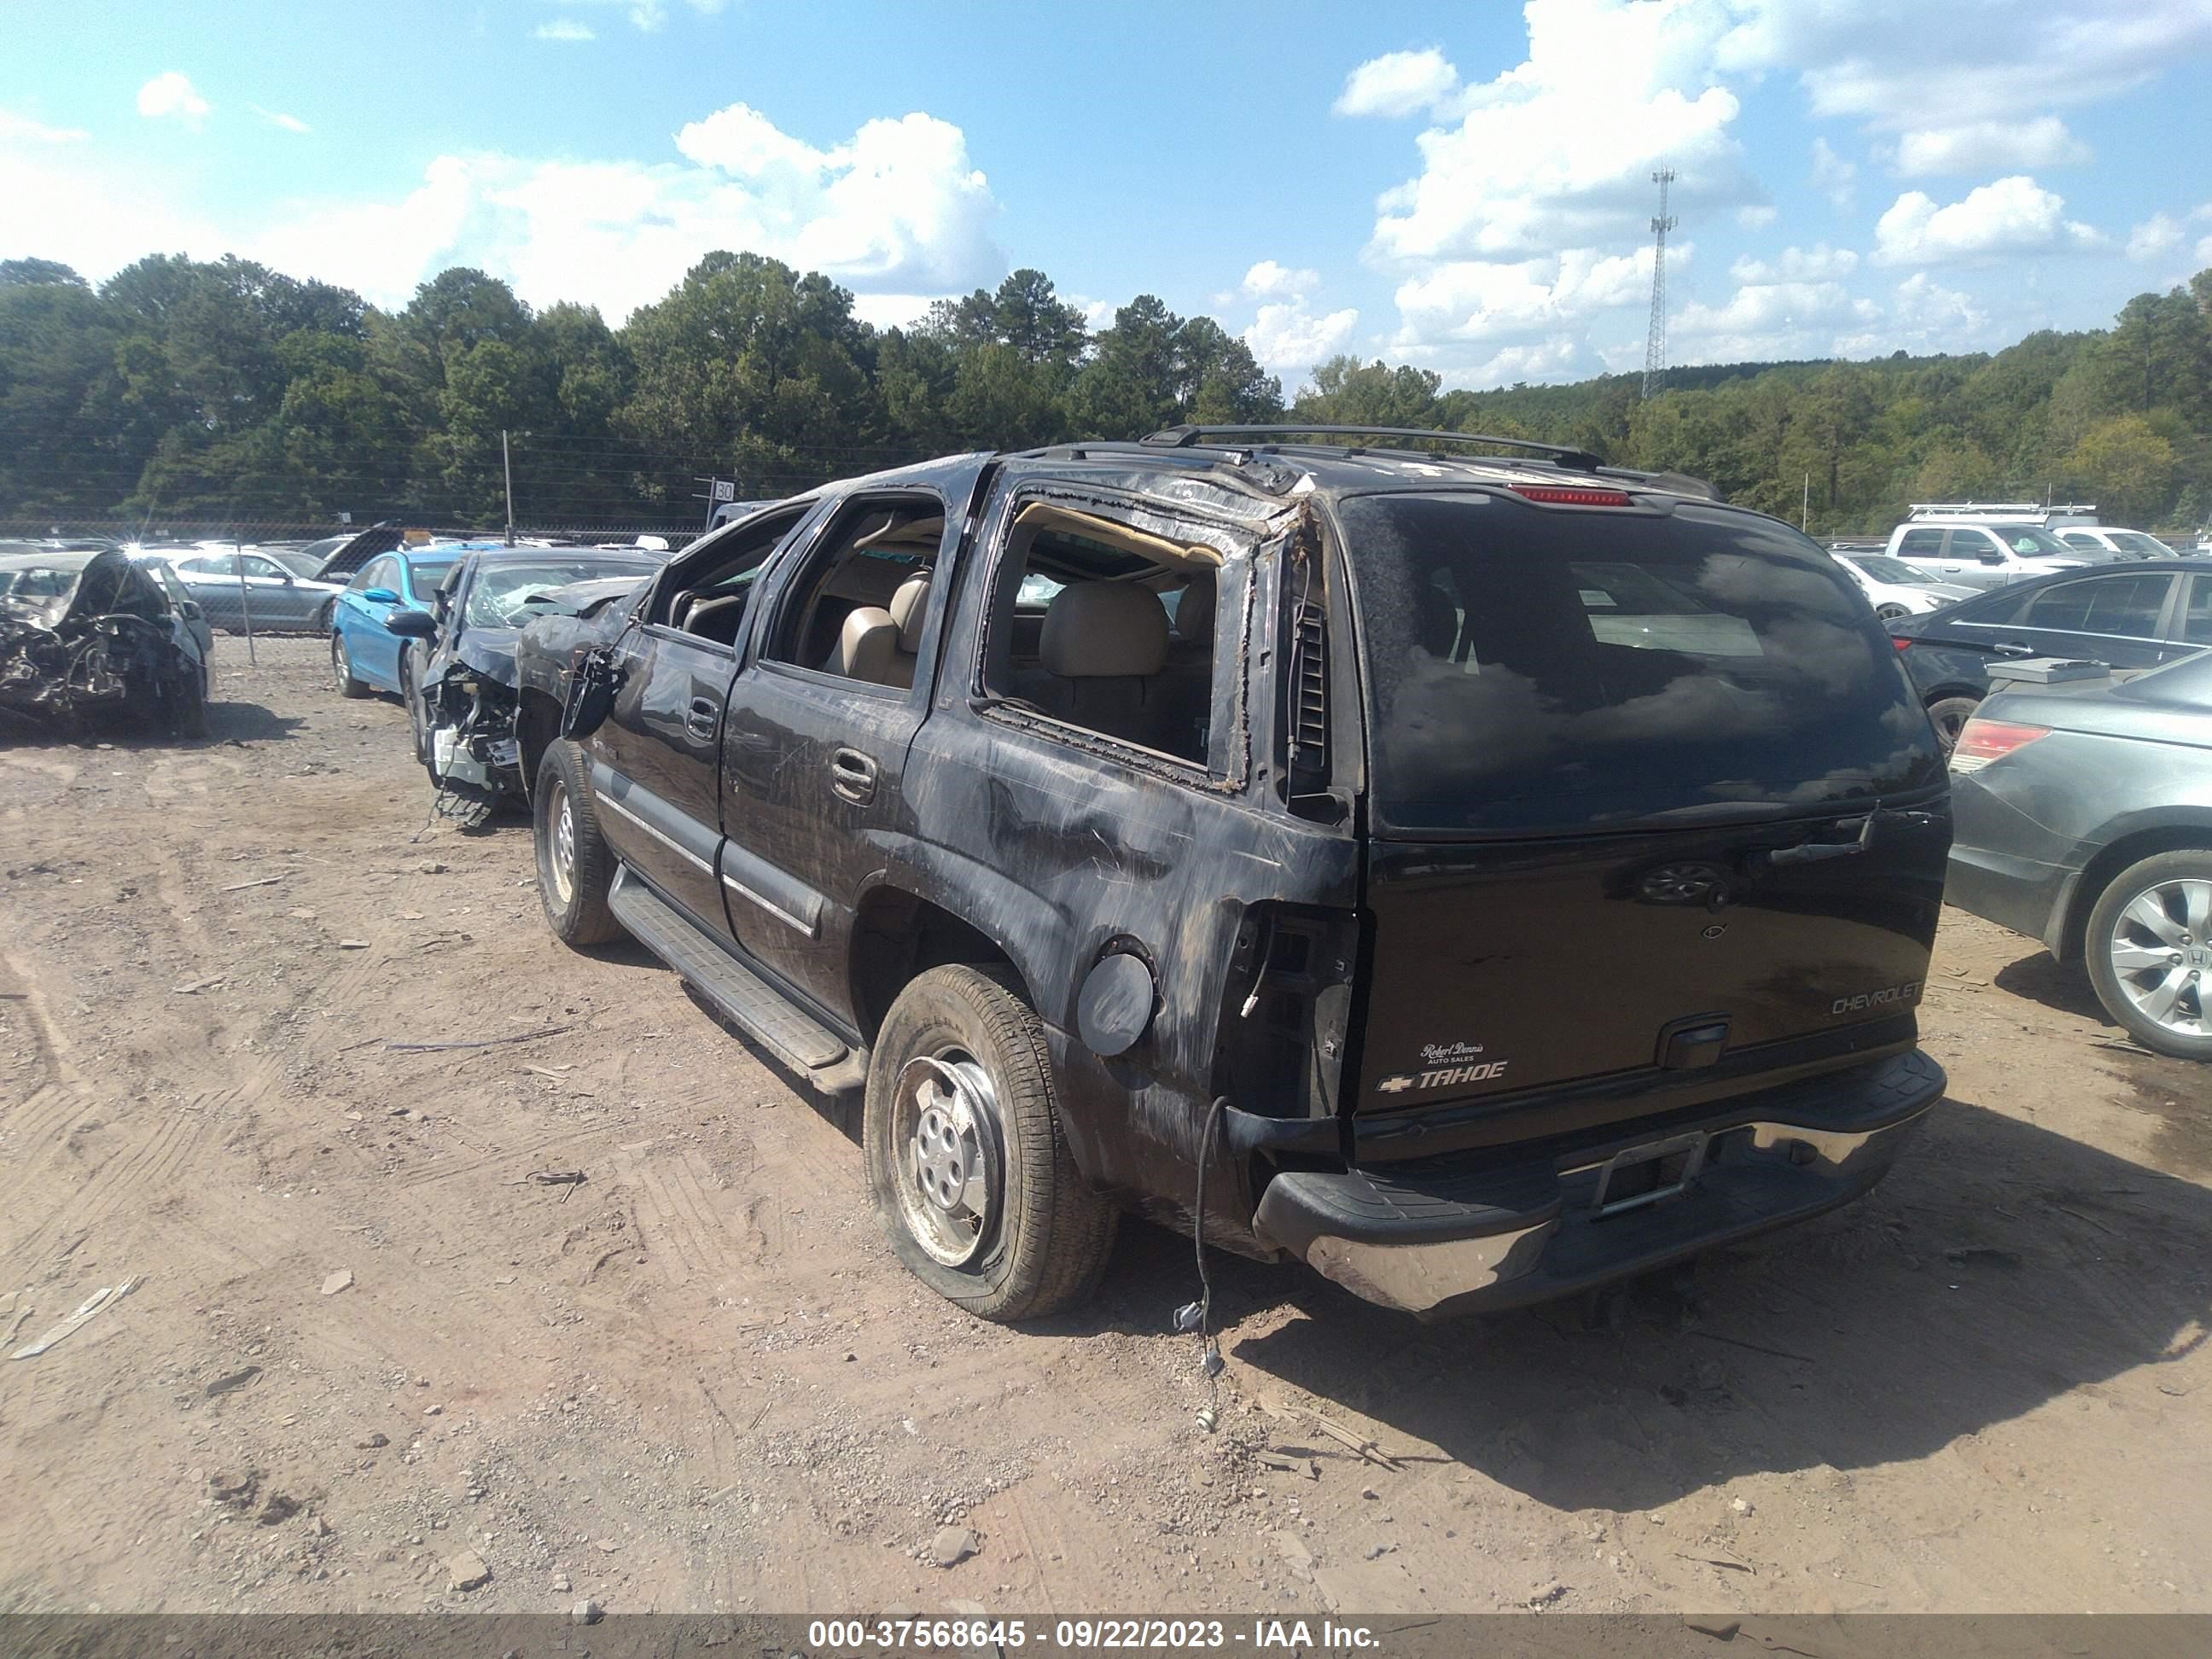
2083,818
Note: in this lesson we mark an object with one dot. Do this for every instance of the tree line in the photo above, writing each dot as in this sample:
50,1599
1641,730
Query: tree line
223,391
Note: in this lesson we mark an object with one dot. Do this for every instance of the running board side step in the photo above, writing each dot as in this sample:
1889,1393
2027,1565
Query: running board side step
795,1037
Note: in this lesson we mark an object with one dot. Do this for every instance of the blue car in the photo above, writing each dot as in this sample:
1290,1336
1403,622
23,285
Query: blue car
365,657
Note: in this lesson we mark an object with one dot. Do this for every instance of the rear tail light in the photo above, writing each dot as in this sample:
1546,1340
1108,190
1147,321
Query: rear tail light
1569,496
1982,741
1901,641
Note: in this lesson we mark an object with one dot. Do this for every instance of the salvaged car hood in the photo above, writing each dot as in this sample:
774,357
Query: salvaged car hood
490,652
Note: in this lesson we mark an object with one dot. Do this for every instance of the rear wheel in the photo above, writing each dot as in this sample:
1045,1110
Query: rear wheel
323,614
969,1168
2149,946
342,669
1950,715
574,864
1891,612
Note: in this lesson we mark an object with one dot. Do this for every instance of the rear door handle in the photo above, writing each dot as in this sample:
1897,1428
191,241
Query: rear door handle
852,776
699,722
2013,648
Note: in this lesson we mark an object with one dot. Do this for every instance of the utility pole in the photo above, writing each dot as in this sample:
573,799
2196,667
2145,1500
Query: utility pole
1805,512
1654,342
507,465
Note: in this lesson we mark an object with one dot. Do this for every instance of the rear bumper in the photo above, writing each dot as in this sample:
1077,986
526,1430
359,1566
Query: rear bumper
1444,1237
2021,894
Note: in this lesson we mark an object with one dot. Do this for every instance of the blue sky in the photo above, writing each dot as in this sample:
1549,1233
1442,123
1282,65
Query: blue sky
1465,188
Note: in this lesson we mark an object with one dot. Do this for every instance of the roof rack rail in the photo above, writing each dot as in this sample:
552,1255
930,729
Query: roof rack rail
1186,437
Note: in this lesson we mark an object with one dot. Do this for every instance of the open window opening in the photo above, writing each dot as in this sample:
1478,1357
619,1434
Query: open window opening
858,608
1107,626
706,594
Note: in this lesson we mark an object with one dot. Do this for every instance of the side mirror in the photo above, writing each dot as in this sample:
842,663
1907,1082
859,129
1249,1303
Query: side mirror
379,596
1990,555
412,624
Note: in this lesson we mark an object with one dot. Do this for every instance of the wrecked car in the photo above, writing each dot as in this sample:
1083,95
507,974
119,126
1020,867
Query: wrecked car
1479,873
460,665
89,636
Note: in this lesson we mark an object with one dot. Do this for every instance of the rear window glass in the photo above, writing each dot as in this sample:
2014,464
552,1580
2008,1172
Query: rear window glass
1534,669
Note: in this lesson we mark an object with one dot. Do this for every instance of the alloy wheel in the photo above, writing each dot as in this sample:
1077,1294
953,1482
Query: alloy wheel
2161,954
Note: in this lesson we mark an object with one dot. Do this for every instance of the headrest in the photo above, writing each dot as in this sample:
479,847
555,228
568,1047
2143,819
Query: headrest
865,645
909,610
1193,617
1104,630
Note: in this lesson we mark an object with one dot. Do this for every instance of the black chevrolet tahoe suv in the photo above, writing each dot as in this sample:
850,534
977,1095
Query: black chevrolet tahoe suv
1483,878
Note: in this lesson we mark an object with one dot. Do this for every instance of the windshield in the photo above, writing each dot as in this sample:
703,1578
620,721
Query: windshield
299,563
1883,568
1537,670
32,589
2142,546
496,597
2032,543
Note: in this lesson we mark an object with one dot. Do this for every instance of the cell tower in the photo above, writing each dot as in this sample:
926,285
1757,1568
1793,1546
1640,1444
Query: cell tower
1655,344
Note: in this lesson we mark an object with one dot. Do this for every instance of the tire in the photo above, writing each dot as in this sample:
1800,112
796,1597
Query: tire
1891,612
1950,715
188,710
572,888
961,1049
2149,933
325,614
342,669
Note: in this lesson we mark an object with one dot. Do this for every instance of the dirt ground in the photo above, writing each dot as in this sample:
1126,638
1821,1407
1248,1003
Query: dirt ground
699,1381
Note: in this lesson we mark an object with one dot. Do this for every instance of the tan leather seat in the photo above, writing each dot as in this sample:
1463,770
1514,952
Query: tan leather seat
909,610
865,644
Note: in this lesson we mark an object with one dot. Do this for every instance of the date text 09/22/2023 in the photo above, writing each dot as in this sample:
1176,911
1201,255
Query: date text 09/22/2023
1084,1635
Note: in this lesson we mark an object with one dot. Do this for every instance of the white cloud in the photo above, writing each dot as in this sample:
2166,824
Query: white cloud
277,118
1399,83
1268,278
1986,146
1923,316
1768,320
1608,93
1288,339
21,128
1832,176
893,310
169,95
1817,264
1483,299
1757,217
1546,360
2013,215
2159,235
1964,87
645,15
895,211
564,28
1892,64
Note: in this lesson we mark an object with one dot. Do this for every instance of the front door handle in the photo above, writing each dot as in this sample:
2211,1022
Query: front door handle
2013,648
699,722
852,776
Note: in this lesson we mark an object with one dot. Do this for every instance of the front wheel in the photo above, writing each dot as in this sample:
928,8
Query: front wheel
575,867
325,614
1891,612
1950,715
969,1168
342,670
2149,946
